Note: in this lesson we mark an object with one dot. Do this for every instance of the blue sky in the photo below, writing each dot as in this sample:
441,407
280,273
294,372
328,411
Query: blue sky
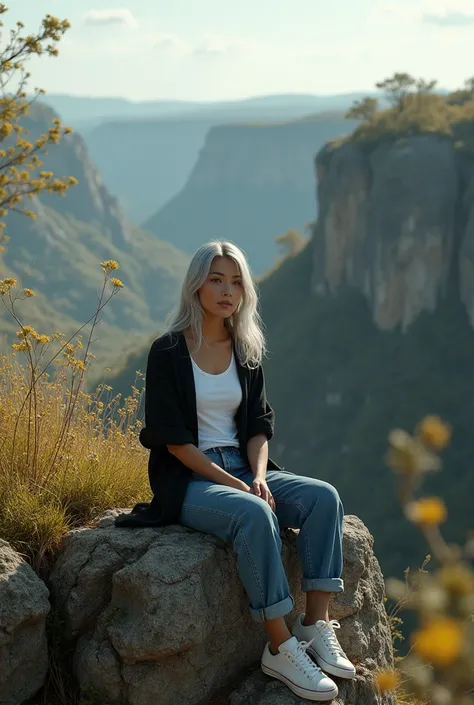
224,49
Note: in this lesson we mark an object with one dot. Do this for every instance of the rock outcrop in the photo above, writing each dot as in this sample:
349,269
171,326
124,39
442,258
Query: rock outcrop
396,223
159,616
24,606
250,184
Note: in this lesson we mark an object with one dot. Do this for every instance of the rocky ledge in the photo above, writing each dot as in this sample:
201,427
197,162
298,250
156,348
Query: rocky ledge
159,617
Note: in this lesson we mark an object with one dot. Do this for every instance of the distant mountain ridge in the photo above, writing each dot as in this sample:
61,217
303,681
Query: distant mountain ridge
250,184
157,153
73,108
58,255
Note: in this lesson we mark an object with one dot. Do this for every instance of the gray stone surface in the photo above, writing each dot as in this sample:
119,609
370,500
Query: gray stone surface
388,224
24,606
160,616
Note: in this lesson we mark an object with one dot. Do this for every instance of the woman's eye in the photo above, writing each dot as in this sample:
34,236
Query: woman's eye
238,283
215,280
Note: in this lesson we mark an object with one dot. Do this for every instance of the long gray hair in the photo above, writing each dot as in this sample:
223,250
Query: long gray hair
244,325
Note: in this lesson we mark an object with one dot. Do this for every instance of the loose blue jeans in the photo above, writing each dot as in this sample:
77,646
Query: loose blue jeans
253,529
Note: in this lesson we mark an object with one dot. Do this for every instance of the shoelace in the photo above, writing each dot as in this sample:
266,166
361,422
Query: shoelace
302,661
330,638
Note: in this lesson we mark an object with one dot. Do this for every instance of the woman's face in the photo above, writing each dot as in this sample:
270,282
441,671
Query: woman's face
222,291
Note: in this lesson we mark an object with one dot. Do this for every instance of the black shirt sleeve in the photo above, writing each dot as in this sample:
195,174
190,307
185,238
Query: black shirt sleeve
164,418
260,415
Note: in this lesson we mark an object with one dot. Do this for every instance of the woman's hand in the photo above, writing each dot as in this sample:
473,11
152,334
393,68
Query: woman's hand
261,489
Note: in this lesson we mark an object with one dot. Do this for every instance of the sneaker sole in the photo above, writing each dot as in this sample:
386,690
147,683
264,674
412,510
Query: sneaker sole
331,670
301,692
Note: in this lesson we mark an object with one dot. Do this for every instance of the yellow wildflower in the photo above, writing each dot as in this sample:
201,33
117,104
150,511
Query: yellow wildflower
28,292
117,283
26,331
428,510
109,265
440,642
9,282
434,432
407,455
42,339
386,680
457,579
21,347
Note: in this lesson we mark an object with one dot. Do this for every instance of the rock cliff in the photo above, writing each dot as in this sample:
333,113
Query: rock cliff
397,224
250,184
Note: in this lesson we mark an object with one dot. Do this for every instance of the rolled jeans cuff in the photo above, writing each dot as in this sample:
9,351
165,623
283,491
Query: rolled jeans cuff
322,584
279,609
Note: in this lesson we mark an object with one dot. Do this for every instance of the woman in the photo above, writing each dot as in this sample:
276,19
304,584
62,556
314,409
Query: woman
207,424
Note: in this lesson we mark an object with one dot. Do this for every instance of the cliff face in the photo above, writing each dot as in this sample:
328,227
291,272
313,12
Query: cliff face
386,337
59,254
90,201
249,184
397,224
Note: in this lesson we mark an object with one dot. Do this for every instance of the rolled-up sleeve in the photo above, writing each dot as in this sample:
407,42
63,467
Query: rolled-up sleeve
260,415
164,418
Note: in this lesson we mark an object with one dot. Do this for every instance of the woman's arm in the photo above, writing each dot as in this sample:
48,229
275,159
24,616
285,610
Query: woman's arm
260,416
196,460
257,452
259,431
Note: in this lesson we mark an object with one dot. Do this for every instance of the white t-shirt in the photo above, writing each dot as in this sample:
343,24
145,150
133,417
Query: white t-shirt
217,398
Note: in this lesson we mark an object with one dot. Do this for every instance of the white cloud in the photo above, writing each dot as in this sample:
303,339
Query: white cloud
213,45
118,17
206,45
449,19
170,43
443,13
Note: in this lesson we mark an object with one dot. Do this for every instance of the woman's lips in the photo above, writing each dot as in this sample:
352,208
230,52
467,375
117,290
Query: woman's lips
225,304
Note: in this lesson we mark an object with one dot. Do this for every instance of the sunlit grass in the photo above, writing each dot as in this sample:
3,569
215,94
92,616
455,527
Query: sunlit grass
65,455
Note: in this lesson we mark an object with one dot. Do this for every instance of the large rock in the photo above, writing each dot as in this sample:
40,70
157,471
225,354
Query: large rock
388,224
160,616
364,633
24,606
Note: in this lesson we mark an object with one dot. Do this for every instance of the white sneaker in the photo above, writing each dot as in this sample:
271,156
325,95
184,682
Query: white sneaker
293,666
325,647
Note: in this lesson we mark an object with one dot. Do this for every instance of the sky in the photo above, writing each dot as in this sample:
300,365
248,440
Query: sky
230,49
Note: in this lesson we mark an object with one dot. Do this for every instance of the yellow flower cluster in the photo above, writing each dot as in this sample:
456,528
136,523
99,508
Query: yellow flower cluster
440,665
434,432
7,284
440,642
430,511
27,333
109,265
387,680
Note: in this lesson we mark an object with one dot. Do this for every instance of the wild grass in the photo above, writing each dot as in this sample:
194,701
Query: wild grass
65,455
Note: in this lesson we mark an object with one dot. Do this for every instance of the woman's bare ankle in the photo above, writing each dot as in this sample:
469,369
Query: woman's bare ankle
277,632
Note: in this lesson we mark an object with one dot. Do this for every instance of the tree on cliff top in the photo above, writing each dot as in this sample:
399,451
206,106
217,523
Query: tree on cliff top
364,109
416,108
398,88
20,165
